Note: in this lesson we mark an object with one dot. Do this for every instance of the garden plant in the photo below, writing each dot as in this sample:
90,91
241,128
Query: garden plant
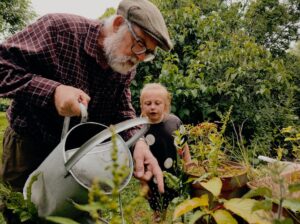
220,199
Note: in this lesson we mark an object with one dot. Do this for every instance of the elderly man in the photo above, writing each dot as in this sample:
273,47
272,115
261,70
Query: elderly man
63,59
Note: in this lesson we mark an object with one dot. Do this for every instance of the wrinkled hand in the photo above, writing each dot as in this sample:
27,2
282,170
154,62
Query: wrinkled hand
146,165
66,100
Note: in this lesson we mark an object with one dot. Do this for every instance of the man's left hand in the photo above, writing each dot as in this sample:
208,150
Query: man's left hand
146,165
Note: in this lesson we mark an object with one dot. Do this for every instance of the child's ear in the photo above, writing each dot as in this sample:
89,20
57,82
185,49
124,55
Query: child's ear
166,108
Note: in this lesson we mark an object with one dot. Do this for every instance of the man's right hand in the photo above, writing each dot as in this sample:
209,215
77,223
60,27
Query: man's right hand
67,99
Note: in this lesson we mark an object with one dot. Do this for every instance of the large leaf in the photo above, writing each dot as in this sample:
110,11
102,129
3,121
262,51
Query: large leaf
214,186
189,205
292,204
243,208
61,220
223,217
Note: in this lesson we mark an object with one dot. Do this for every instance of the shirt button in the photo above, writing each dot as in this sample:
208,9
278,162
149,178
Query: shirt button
150,139
168,163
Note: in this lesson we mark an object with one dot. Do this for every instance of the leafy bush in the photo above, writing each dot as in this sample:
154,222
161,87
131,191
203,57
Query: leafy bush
215,64
14,15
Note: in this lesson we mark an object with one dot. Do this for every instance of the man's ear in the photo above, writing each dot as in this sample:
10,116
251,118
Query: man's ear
118,21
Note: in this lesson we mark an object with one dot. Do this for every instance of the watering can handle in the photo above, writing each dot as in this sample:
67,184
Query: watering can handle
106,134
84,117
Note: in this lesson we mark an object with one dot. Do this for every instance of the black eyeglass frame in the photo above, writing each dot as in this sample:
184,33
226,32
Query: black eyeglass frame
149,54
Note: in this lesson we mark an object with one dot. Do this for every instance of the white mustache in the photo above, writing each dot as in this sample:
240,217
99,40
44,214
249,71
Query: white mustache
124,59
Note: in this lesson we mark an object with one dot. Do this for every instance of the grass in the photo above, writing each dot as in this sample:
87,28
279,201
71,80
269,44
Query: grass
142,213
3,125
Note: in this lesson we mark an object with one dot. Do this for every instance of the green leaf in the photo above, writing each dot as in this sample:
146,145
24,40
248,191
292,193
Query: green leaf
213,185
2,220
243,208
261,191
285,221
61,220
194,93
223,217
294,187
292,204
199,179
171,180
197,215
24,216
263,205
93,206
189,205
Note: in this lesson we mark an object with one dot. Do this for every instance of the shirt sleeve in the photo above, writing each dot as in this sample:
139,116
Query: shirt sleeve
126,110
18,59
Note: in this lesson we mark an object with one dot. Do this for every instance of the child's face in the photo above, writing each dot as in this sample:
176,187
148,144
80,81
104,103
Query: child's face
153,105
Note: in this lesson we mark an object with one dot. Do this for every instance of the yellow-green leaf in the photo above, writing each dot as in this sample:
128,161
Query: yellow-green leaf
195,216
288,129
243,208
223,217
189,205
61,220
292,204
213,185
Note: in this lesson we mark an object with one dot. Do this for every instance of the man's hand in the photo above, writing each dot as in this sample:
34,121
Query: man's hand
67,99
146,165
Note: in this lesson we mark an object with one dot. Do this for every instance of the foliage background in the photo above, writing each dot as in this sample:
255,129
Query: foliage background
14,15
231,54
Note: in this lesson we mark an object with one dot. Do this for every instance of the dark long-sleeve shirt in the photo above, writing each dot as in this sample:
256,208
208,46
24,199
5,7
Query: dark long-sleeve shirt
59,49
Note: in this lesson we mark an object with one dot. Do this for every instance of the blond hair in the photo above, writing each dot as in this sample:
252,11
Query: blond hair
154,87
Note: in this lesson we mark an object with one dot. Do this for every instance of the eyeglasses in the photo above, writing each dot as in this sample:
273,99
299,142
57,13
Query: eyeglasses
139,47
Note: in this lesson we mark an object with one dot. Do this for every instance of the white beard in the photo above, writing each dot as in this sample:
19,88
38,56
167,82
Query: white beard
122,64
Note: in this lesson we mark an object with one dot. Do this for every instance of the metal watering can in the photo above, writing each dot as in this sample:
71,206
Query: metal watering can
82,155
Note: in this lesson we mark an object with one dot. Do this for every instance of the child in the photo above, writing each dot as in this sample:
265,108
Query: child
155,101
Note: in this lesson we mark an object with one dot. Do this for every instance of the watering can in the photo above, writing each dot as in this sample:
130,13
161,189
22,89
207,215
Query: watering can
84,153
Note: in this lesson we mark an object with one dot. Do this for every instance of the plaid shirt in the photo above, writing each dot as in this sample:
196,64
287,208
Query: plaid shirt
59,49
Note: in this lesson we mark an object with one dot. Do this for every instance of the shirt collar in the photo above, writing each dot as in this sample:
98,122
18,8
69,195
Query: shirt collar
91,45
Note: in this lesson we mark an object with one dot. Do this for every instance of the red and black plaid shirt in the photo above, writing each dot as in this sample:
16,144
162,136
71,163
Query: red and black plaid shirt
59,49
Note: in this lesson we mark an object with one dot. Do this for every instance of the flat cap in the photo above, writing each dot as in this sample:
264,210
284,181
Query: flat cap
147,16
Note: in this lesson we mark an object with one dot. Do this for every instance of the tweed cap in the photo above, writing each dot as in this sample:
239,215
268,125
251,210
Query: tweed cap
148,17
